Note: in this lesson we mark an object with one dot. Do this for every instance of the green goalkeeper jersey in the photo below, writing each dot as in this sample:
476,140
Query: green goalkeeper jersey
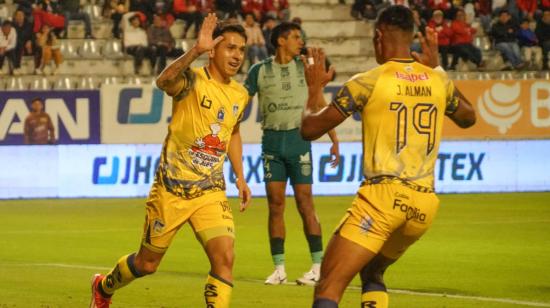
282,92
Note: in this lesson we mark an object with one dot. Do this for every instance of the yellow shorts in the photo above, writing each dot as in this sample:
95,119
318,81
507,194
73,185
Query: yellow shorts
209,215
388,218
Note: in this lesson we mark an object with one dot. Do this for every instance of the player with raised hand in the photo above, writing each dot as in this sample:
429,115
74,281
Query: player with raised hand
402,105
189,184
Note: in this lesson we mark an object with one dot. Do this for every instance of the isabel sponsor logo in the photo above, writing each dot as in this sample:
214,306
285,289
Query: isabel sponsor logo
412,77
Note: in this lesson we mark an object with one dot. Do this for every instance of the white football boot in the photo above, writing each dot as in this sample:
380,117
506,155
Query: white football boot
310,278
278,277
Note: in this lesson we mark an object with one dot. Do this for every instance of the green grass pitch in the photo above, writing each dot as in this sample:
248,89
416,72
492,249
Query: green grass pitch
486,248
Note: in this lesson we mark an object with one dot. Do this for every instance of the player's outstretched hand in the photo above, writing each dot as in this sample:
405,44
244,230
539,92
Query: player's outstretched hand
205,42
244,194
430,49
316,73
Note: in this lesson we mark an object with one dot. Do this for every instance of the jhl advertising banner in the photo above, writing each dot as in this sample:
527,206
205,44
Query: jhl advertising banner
128,170
74,115
505,110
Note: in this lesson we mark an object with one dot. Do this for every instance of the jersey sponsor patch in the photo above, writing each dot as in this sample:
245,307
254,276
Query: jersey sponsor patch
412,77
208,150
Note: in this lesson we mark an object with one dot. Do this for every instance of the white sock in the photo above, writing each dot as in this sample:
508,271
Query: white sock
316,267
280,268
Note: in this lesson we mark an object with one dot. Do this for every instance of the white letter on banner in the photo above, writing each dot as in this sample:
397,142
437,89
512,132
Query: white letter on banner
78,127
13,107
539,103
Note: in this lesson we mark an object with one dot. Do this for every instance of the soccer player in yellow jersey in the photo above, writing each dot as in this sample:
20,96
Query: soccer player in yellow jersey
402,104
189,184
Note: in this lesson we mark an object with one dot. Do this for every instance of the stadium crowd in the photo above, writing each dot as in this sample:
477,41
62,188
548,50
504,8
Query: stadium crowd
518,29
142,25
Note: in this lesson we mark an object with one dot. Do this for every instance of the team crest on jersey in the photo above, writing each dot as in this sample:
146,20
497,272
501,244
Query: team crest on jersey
235,109
221,114
284,72
286,86
366,224
305,164
158,226
208,150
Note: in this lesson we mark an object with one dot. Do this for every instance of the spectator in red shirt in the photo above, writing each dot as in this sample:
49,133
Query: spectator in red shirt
462,41
442,5
278,9
188,11
48,12
444,35
527,8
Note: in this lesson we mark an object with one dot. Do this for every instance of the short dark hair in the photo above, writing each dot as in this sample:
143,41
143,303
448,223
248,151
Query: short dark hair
37,99
134,17
6,23
223,27
282,29
251,14
503,11
397,16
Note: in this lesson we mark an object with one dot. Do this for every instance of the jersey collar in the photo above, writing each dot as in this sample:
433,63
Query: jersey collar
402,60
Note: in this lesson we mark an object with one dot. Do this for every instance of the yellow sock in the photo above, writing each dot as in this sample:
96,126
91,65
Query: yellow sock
217,292
123,273
374,299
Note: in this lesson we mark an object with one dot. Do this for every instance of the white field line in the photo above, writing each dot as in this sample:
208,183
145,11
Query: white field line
396,291
432,294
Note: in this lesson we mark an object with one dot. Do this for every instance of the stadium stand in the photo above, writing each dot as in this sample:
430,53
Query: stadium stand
88,63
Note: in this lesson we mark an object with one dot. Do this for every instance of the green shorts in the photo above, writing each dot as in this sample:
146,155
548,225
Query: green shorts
286,155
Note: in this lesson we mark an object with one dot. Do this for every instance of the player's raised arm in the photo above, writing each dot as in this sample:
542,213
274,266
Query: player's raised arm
460,110
315,124
171,80
463,114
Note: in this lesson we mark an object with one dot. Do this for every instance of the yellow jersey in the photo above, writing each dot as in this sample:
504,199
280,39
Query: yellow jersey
402,104
204,115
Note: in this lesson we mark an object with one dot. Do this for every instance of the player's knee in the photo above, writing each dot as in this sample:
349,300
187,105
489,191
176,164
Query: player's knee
304,197
276,208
